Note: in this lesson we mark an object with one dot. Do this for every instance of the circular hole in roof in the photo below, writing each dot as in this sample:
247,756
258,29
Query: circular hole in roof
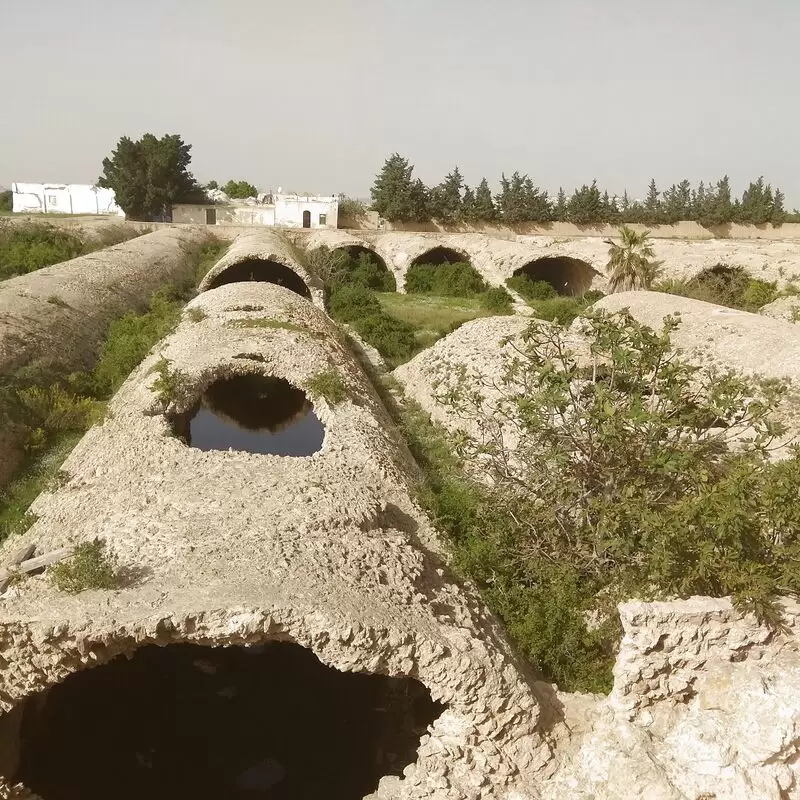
254,414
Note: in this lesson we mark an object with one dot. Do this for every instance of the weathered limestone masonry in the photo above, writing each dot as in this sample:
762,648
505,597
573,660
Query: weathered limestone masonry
705,705
264,256
497,259
62,312
233,548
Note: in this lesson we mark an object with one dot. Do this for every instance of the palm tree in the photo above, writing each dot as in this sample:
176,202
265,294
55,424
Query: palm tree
631,263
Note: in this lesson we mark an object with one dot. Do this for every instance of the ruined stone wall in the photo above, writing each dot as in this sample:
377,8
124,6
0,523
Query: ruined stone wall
61,313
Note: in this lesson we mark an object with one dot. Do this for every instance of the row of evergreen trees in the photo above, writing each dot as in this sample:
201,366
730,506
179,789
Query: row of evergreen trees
399,197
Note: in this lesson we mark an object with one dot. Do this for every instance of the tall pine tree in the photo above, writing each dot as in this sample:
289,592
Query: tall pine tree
396,196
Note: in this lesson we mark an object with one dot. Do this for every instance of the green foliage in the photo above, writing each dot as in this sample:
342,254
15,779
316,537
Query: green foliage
446,280
240,190
351,209
393,339
30,246
149,175
168,381
349,303
129,340
273,324
624,482
520,201
631,261
328,384
497,300
89,567
444,202
6,201
726,286
50,411
396,195
338,267
531,290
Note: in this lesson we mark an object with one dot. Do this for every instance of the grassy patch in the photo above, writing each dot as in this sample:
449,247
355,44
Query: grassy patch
196,314
267,322
432,313
329,385
89,567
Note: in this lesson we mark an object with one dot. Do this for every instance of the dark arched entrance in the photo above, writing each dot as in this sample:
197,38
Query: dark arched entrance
357,250
306,219
441,255
243,723
266,270
570,277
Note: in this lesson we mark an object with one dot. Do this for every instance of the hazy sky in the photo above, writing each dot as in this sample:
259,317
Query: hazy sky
314,95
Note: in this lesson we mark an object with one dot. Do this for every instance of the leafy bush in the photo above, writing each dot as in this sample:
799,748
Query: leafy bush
531,290
49,411
6,201
446,280
338,268
623,482
393,339
30,246
725,286
352,302
559,309
352,210
129,340
497,300
758,293
89,567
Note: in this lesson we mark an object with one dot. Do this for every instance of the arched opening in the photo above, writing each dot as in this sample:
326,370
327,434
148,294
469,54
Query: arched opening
570,277
260,269
269,722
254,414
361,265
306,219
441,255
357,251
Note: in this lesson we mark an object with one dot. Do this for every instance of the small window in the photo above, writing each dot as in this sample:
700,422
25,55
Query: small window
52,200
323,219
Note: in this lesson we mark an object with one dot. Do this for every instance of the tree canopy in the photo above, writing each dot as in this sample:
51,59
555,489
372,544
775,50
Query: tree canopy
240,190
399,197
148,175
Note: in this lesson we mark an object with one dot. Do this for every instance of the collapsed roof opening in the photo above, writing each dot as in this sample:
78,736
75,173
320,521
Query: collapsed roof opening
570,277
255,414
265,270
441,255
180,721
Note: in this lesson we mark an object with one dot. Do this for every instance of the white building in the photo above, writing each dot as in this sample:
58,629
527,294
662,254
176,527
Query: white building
63,198
272,209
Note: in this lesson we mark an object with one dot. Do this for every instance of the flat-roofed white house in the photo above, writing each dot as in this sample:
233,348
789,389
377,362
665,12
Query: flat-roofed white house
63,198
280,210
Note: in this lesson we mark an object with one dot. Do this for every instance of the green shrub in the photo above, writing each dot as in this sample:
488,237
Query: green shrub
6,201
349,303
168,381
637,491
559,309
129,340
338,268
89,567
29,246
328,384
531,290
758,293
393,339
497,300
445,280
